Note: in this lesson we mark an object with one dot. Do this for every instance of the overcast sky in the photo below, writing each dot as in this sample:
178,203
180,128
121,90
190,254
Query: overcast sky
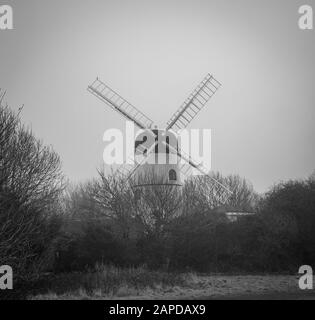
154,53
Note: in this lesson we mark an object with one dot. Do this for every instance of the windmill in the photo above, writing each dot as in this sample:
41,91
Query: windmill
157,150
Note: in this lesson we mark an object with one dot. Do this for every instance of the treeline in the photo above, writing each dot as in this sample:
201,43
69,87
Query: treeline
107,226
45,226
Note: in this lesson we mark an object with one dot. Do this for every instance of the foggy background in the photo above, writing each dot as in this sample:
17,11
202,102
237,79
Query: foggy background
154,53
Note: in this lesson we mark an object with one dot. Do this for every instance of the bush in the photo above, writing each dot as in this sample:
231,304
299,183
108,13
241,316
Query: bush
289,211
95,244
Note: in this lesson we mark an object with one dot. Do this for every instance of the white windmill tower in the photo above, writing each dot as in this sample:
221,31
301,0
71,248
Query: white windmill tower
157,150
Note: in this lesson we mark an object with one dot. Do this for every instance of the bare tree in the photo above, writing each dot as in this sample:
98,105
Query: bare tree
109,199
112,198
30,186
205,195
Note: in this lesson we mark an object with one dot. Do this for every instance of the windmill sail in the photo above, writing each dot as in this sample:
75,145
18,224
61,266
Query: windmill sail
118,103
219,190
202,170
194,103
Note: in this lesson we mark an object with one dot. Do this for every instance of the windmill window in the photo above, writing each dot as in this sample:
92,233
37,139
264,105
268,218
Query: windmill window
172,175
167,145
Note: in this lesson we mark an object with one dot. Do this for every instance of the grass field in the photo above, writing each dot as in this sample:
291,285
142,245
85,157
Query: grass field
107,282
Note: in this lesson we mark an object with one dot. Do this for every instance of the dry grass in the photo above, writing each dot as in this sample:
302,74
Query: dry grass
106,281
139,283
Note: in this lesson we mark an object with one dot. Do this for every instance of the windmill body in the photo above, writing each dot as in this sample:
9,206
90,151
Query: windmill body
162,165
